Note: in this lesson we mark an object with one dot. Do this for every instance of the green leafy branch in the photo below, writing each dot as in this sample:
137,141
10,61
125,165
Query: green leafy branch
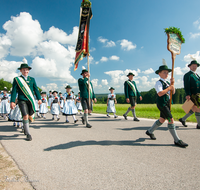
175,31
86,3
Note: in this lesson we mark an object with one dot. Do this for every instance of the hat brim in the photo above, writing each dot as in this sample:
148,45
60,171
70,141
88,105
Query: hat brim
84,72
54,92
24,68
169,70
194,63
130,75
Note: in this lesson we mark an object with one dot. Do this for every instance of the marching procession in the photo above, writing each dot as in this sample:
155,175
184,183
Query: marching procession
24,100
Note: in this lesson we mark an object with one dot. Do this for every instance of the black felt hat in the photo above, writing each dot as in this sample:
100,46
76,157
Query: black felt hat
130,74
111,88
84,71
24,65
162,68
55,91
194,62
68,86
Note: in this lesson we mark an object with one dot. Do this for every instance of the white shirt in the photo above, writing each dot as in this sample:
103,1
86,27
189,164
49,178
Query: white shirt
25,77
159,86
110,95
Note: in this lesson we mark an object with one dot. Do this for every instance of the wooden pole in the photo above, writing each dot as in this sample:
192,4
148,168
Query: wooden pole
172,76
88,64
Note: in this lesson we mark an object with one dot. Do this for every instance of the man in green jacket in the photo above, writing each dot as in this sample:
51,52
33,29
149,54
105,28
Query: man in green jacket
192,90
83,87
131,93
26,87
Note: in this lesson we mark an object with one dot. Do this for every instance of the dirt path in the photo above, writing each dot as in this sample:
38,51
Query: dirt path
11,177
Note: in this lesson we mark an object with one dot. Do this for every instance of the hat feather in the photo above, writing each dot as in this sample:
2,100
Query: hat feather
83,67
192,57
25,61
164,62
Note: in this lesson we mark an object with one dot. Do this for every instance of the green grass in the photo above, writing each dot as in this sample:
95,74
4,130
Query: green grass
145,111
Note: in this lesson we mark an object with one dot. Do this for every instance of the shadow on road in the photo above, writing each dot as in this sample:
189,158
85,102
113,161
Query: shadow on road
74,144
10,129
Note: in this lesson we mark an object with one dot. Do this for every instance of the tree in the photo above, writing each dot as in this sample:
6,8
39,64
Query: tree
5,84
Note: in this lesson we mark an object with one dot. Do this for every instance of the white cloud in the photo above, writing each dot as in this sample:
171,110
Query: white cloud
116,76
114,57
95,83
178,71
104,59
106,42
145,81
194,35
97,62
127,45
110,44
60,36
5,43
148,71
24,33
188,57
8,69
197,23
24,37
51,86
104,82
102,40
92,49
56,62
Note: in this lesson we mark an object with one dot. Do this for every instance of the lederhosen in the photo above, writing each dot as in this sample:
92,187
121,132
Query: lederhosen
85,103
163,103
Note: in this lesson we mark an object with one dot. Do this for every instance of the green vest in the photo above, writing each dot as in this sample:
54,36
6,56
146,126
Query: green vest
163,100
191,83
32,85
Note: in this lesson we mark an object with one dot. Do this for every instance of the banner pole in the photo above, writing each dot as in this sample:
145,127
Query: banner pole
88,64
172,76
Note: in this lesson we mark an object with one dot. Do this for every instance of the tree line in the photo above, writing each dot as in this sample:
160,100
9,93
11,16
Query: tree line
148,97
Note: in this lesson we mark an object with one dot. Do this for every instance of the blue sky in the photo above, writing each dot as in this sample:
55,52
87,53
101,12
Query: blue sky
124,36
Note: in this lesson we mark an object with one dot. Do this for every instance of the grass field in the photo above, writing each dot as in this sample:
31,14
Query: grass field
145,111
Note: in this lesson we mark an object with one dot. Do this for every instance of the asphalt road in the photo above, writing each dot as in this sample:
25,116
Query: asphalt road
113,154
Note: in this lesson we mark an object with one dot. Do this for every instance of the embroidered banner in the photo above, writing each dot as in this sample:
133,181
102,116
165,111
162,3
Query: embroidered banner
82,47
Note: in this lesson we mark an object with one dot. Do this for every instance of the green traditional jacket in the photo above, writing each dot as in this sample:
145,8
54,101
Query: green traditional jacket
128,91
83,87
191,83
32,85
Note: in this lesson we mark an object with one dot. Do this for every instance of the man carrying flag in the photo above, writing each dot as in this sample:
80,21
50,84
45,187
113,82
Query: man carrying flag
85,101
26,87
131,93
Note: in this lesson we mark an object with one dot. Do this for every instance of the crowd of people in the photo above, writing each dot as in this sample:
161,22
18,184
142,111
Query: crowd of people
25,100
